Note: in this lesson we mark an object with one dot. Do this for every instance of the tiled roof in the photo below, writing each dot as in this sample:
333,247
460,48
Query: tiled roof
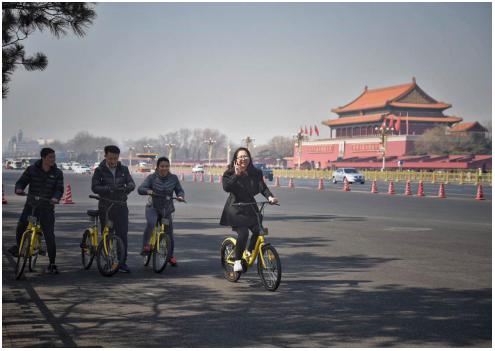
379,117
466,127
378,98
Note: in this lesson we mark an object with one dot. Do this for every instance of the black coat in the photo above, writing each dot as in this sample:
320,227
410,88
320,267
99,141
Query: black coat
110,187
242,188
45,184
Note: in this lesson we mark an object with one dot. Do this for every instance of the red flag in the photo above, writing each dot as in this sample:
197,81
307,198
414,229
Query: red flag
317,131
391,122
397,124
305,130
311,130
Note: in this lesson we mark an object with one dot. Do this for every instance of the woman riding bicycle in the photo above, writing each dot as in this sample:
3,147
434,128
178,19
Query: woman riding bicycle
162,184
243,181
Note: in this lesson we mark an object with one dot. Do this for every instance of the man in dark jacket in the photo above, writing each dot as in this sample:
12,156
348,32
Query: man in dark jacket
47,181
113,181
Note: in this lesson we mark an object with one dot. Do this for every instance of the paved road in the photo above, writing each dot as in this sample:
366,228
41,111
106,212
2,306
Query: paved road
359,270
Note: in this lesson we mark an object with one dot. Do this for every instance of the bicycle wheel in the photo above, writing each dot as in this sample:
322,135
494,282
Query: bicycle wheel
37,249
227,251
23,254
108,265
161,253
271,274
87,250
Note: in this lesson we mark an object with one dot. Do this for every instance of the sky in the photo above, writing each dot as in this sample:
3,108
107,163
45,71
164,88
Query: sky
257,69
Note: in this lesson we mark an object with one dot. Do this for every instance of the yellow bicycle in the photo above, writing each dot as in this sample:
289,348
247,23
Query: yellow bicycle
109,250
159,243
31,242
269,265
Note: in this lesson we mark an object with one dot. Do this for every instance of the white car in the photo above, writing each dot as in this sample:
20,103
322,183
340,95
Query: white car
82,169
198,169
351,174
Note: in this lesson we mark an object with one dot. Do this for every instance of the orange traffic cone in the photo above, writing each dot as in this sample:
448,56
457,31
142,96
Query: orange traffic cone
194,177
441,191
479,193
4,199
202,178
374,188
346,185
320,184
391,189
68,196
211,179
408,188
421,191
277,181
291,183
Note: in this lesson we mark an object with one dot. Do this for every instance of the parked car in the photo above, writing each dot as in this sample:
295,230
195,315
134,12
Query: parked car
144,167
267,172
82,169
198,169
352,175
17,165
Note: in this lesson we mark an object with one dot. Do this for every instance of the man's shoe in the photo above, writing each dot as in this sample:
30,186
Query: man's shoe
13,250
124,268
173,261
237,266
51,269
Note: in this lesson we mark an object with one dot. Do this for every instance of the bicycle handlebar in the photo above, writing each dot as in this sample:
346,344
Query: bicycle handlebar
96,197
36,198
167,197
255,203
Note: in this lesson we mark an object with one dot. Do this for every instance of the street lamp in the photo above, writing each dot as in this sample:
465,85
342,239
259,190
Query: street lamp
130,156
299,138
210,143
383,132
170,152
98,152
70,152
229,149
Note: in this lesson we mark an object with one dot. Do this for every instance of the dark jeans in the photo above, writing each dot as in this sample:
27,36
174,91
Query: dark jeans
46,218
119,215
152,215
242,237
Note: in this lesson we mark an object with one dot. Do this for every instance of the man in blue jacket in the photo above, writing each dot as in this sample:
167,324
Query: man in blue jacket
45,180
113,181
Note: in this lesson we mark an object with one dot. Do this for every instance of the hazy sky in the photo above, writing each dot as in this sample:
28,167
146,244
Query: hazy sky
246,69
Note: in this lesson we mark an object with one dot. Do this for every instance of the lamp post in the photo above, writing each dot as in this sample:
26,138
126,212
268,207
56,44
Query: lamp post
70,152
299,138
98,152
383,132
130,156
148,147
229,149
170,152
248,141
210,142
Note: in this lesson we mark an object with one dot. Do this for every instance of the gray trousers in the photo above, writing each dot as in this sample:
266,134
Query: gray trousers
152,215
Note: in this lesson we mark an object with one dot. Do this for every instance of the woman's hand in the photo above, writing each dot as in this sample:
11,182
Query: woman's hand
239,170
273,200
180,199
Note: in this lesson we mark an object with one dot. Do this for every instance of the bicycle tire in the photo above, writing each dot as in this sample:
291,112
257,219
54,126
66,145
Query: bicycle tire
109,264
164,244
23,255
227,251
87,251
34,258
272,274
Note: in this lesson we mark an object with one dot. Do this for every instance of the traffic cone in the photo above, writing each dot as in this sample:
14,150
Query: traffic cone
408,188
374,188
68,196
441,191
4,199
194,177
421,191
320,184
202,178
211,179
391,190
291,183
346,185
277,181
479,193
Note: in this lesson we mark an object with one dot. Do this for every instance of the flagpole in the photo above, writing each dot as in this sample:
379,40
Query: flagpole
407,123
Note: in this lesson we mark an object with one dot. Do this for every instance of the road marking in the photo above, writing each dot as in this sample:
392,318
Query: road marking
407,229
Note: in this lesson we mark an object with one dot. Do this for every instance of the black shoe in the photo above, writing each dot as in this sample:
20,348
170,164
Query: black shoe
51,269
13,250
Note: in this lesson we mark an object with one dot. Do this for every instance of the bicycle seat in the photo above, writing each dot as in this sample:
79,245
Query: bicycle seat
93,213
